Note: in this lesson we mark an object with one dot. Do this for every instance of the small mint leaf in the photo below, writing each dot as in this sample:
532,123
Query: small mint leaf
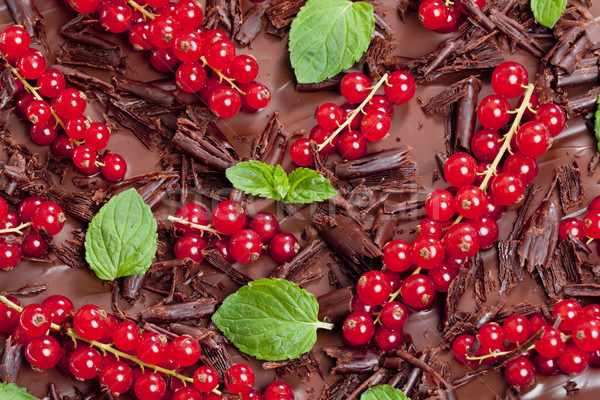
122,238
384,392
256,178
597,123
10,391
281,181
547,12
329,36
307,185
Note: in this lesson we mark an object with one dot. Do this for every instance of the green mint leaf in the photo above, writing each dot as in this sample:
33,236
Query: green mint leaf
547,12
329,36
121,239
597,123
384,392
10,391
259,179
307,185
270,319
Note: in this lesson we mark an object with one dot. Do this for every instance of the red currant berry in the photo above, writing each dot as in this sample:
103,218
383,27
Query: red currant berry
60,308
491,336
519,372
43,134
546,366
116,377
380,103
90,322
553,117
507,189
375,125
571,226
400,87
189,14
239,379
278,391
70,103
193,213
245,246
38,112
453,20
85,363
187,393
470,202
300,153
373,288
190,246
586,334
360,307
442,277
509,79
225,102
164,60
525,167
594,204
358,329
244,68
440,205
229,217
348,110
283,247
126,336
591,311
536,322
460,170
320,135
22,103
97,136
427,252
190,77
516,328
51,83
31,64
461,346
493,112
569,310
394,315
114,168
49,216
418,291
9,317
396,256
552,344
10,254
573,360
487,230
486,144
591,224
43,352
139,36
162,3
184,350
152,348
213,36
461,241
433,14
163,30
388,339
329,116
222,246
14,41
115,16
28,206
85,6
206,379
430,227
220,54
150,386
265,225
355,87
352,145
76,128
533,139
258,96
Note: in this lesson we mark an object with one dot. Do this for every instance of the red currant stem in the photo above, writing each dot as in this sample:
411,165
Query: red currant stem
142,9
497,354
99,164
506,142
223,77
353,114
32,90
512,111
394,295
588,241
531,109
17,229
378,319
108,348
193,225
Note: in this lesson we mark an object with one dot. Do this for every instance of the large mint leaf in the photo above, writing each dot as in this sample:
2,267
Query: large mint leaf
307,185
270,319
259,179
547,12
9,391
597,123
121,239
329,36
383,392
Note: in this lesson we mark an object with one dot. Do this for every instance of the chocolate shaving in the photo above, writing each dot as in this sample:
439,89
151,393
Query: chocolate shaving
455,292
53,392
354,361
384,228
451,94
12,359
218,358
375,379
206,337
281,14
270,146
516,33
29,290
539,236
340,389
144,131
132,286
84,81
480,288
26,14
215,259
251,24
306,362
297,270
582,290
570,185
147,91
179,311
377,53
425,367
336,305
81,205
583,104
571,387
466,111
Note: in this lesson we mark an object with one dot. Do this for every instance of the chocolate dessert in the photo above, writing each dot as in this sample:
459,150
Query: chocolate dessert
182,147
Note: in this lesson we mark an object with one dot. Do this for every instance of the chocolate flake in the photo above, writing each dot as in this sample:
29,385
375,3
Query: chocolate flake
282,13
270,146
179,311
81,205
336,305
215,258
29,290
297,270
354,361
143,130
132,286
12,359
384,228
341,388
571,387
377,53
539,237
570,185
594,162
251,24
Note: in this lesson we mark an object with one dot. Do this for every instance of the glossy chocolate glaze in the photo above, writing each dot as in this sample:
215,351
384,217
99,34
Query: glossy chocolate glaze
410,127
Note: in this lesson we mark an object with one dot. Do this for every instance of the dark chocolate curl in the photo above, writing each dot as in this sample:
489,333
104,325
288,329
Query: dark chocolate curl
336,305
11,361
466,113
354,361
179,311
132,286
270,146
297,269
147,91
539,237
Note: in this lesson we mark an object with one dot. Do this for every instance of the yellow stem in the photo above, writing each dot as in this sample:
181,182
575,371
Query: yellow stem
354,113
108,348
193,225
17,229
222,77
141,9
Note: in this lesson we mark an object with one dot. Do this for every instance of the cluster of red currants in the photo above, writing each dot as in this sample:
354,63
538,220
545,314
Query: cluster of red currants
32,211
243,238
569,345
47,104
355,130
579,229
443,16
124,353
178,42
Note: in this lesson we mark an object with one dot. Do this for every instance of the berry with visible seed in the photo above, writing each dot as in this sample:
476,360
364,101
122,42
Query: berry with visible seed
245,246
418,291
373,288
358,329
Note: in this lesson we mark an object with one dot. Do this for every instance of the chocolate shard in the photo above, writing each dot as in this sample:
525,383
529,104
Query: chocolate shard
270,146
206,337
144,90
515,32
539,237
340,389
582,290
179,311
587,72
144,131
281,14
12,359
251,24
425,367
451,94
85,82
81,205
132,286
354,361
466,111
298,269
29,290
480,287
26,14
594,162
53,392
583,104
219,358
336,305
384,228
570,261
455,292
215,258
377,53
570,185
349,241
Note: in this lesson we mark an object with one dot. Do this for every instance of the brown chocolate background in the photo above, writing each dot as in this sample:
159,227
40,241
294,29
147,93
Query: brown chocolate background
297,112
